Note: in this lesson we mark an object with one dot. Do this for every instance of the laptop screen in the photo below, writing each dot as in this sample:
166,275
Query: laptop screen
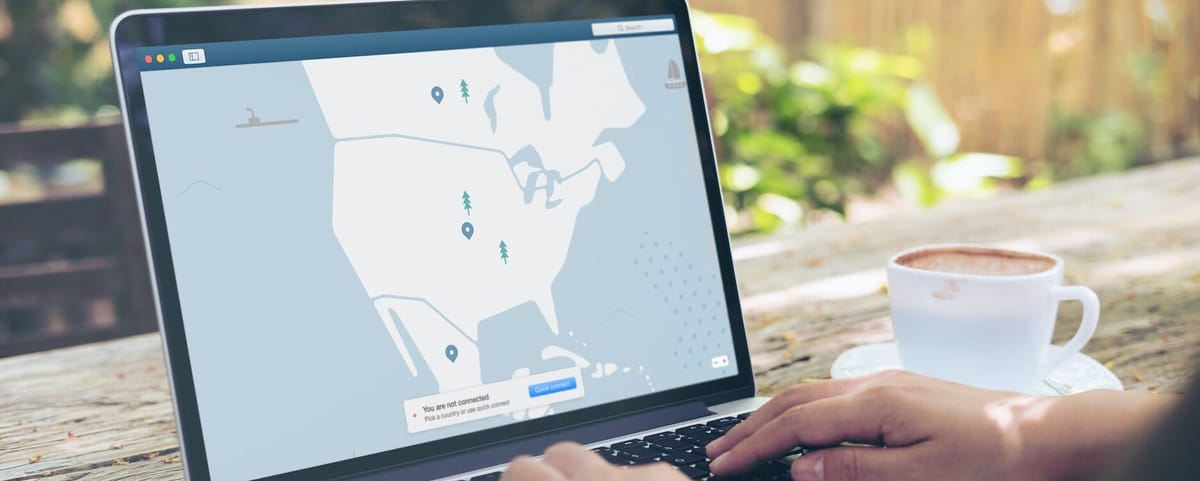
385,239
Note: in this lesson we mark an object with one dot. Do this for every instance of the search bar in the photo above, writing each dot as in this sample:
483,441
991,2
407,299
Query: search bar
633,27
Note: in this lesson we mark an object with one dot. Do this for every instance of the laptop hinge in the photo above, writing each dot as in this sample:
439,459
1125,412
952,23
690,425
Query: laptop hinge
500,453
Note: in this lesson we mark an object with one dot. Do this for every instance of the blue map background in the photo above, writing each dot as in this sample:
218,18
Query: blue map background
292,364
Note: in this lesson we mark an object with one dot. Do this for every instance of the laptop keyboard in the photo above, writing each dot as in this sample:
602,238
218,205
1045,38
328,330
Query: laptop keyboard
684,448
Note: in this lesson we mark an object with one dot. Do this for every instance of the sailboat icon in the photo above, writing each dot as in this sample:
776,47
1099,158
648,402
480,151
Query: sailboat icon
674,76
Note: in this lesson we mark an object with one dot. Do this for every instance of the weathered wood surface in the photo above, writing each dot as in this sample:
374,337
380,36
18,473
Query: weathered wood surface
102,411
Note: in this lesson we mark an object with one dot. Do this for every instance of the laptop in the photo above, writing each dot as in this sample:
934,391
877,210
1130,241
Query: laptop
412,240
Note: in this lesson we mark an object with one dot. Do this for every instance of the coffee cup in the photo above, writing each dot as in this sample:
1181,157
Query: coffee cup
983,316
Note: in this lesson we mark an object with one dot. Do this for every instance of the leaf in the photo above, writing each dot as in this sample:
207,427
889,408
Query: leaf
929,120
739,177
914,183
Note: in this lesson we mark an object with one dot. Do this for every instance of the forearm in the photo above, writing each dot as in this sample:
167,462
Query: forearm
1075,437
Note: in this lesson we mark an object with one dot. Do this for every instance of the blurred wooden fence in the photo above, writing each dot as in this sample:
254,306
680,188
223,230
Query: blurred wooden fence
1001,67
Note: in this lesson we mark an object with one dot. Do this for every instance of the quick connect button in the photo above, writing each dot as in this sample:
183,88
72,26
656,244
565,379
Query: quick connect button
551,387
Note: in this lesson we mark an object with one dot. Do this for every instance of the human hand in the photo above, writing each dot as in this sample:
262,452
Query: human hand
572,462
933,430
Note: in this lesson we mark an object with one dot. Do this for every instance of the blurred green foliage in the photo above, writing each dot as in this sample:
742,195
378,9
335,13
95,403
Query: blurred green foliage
1082,145
801,138
55,64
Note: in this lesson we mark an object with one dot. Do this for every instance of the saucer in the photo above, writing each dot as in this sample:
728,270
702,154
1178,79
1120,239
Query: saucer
1077,374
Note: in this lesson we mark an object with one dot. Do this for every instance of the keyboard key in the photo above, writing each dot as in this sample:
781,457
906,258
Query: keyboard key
488,477
614,457
693,473
631,442
703,438
669,446
723,422
662,435
743,416
640,452
683,459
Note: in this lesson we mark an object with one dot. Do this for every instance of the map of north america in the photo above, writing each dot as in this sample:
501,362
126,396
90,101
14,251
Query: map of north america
456,191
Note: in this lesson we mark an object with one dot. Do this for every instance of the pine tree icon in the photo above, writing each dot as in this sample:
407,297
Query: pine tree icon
467,202
466,92
504,252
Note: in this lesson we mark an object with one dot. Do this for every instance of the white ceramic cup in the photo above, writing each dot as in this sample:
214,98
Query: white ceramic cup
984,330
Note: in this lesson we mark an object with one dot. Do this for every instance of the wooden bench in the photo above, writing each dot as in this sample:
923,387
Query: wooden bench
73,267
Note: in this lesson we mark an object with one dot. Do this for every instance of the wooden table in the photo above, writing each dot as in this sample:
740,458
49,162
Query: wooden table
102,411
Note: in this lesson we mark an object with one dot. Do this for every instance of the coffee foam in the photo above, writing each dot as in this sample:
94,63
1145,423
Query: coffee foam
977,261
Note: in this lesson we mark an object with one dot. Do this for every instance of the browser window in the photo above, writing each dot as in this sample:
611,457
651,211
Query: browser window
385,239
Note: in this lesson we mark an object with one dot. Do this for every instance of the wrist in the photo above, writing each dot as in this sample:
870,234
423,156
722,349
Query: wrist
1075,436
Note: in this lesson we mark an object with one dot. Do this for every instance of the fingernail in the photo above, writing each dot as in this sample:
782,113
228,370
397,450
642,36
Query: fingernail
716,463
808,468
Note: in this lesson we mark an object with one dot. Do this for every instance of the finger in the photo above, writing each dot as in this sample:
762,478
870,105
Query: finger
825,422
575,461
526,468
653,472
855,464
804,393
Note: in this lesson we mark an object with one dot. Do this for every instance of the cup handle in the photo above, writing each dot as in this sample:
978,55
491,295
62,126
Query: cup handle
1087,326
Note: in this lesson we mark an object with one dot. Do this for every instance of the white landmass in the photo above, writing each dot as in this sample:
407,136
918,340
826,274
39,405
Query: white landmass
403,160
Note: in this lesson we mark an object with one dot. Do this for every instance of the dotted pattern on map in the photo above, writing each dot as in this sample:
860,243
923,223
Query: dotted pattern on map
696,301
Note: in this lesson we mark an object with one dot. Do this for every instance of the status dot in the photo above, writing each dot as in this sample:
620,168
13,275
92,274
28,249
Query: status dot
159,58
149,59
171,57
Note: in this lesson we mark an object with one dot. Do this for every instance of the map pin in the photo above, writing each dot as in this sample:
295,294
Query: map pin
451,352
438,94
468,230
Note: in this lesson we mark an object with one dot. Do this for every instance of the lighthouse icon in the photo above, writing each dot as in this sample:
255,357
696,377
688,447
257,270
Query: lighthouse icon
674,76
